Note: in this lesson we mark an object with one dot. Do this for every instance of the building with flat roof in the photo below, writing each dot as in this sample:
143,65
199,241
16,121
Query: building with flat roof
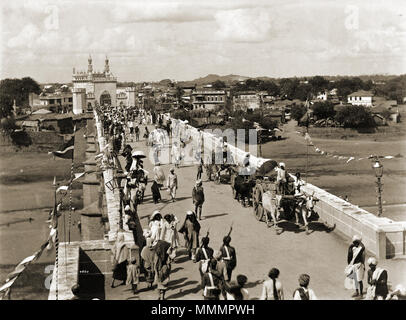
209,99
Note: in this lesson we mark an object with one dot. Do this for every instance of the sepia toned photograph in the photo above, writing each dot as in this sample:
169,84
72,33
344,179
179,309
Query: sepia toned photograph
203,150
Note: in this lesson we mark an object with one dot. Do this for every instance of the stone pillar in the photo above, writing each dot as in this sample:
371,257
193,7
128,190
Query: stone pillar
90,140
90,165
90,189
79,100
90,152
91,223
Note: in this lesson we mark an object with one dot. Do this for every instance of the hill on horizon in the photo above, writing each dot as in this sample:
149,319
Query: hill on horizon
210,78
228,79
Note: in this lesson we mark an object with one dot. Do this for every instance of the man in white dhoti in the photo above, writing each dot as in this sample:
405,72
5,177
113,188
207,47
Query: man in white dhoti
356,266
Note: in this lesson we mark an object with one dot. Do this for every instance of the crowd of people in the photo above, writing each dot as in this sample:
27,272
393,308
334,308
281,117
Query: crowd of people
162,240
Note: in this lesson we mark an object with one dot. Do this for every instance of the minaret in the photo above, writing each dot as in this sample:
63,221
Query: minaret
89,66
106,66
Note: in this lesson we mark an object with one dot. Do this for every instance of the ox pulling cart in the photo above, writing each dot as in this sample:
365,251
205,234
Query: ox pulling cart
276,208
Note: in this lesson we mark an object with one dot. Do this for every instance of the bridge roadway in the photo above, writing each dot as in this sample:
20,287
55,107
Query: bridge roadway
322,255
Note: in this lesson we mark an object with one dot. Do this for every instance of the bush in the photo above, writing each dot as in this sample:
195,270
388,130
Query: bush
297,112
355,117
268,123
181,114
323,110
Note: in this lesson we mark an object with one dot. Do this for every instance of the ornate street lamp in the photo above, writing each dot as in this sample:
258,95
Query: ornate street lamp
378,168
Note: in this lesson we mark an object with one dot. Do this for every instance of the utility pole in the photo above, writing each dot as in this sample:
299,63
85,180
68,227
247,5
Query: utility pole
378,169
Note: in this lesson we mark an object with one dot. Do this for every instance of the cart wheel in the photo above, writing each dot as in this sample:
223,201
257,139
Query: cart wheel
257,203
259,212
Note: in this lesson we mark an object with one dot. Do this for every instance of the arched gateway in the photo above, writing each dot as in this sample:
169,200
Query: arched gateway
105,98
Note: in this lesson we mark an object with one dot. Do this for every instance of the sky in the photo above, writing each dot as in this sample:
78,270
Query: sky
182,40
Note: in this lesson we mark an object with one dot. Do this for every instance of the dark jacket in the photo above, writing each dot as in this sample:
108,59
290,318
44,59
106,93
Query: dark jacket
381,284
231,264
198,195
200,254
360,257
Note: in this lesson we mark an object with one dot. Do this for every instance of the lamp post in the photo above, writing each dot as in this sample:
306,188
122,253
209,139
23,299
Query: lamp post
378,168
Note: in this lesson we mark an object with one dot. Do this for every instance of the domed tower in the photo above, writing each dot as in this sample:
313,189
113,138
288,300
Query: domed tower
106,66
89,66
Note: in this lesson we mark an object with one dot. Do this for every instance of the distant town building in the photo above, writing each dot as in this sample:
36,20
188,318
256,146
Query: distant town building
360,98
58,102
91,87
246,100
209,99
324,96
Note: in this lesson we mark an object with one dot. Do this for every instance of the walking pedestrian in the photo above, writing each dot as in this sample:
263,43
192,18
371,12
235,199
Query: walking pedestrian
229,256
304,292
211,282
137,133
155,225
356,266
199,169
131,127
162,267
149,258
198,198
172,184
221,270
120,255
191,230
156,194
169,233
133,274
176,154
159,175
377,280
272,288
203,256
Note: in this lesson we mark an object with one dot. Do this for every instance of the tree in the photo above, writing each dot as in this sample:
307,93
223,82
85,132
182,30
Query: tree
180,114
323,110
288,87
253,116
394,89
355,117
218,85
179,93
268,123
270,87
16,89
297,112
318,84
346,86
302,92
